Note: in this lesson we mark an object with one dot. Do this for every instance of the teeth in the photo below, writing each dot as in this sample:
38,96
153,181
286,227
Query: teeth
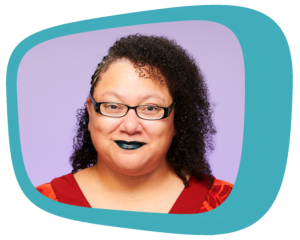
128,146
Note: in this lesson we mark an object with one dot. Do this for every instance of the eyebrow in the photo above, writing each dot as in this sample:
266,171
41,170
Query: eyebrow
143,98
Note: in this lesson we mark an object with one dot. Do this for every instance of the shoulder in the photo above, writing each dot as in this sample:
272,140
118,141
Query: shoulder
218,193
64,189
60,183
220,187
47,190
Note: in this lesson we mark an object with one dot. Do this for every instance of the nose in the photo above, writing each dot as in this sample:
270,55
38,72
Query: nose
131,123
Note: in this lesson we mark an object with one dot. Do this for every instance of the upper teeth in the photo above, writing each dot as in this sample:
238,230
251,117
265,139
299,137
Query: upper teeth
127,145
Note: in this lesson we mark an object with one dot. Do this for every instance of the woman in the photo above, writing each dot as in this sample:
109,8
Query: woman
143,134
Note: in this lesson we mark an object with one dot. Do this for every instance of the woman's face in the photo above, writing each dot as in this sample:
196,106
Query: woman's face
121,83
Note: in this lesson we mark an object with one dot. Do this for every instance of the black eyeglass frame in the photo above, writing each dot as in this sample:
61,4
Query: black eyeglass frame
167,111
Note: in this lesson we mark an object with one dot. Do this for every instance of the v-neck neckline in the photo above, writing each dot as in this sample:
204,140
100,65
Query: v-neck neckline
189,201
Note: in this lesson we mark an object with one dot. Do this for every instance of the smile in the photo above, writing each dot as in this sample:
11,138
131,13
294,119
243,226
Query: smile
129,145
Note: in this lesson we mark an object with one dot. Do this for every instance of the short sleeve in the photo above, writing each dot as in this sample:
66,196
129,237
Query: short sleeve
216,195
47,190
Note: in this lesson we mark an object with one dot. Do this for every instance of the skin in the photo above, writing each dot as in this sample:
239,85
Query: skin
134,180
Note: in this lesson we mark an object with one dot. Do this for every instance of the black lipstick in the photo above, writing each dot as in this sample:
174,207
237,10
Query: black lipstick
129,145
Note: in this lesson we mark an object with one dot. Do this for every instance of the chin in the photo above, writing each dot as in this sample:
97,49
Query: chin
131,166
130,171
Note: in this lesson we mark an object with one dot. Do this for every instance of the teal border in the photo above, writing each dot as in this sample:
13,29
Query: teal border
268,106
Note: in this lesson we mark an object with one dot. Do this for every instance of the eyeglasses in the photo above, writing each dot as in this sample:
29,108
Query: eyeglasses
147,112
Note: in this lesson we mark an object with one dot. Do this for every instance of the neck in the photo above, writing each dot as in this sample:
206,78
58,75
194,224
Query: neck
137,186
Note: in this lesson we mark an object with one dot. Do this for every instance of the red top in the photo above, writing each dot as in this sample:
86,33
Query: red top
196,198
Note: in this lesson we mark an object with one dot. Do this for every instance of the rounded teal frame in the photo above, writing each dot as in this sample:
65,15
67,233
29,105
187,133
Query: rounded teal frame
268,107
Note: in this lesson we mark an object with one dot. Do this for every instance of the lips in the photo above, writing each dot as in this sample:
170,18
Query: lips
129,145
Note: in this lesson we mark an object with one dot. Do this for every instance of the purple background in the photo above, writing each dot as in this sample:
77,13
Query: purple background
54,81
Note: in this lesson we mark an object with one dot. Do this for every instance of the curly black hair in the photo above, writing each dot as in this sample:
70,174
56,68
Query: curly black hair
170,64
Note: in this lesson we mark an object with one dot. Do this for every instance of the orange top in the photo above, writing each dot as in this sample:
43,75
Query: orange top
215,197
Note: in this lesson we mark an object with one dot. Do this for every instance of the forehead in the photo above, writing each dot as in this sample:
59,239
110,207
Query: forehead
125,79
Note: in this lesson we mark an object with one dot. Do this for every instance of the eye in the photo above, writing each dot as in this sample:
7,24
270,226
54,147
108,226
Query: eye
112,106
150,108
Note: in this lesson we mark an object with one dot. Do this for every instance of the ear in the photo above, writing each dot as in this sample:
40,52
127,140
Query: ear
88,107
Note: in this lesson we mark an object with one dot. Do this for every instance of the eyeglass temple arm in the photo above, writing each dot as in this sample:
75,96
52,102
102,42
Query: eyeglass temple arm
94,102
169,110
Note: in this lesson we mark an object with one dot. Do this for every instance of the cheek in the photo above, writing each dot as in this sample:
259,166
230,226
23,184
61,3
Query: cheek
102,128
160,132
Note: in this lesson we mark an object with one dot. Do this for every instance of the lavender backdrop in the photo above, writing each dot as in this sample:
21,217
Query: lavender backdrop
54,81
